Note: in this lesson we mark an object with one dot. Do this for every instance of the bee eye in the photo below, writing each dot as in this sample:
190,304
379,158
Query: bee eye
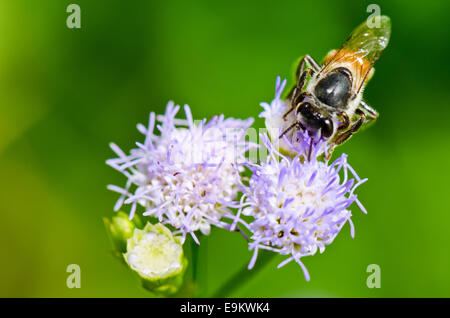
307,112
304,109
326,127
300,98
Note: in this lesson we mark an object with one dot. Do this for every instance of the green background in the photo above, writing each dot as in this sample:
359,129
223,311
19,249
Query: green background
66,93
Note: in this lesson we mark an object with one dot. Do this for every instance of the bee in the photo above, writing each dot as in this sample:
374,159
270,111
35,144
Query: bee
327,99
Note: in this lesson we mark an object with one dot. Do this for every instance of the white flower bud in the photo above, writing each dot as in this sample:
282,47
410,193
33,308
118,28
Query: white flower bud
157,257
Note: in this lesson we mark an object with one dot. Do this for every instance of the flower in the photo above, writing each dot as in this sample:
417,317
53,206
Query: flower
188,174
297,204
157,257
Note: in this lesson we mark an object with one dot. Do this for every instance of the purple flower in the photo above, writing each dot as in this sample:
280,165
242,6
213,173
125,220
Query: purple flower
187,175
297,205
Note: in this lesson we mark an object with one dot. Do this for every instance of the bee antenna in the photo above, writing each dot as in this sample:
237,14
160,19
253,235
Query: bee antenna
288,129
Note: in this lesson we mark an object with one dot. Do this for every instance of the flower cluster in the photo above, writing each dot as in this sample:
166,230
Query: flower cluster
190,176
187,175
297,204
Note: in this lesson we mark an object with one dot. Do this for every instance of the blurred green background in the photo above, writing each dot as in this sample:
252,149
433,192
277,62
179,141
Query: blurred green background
66,93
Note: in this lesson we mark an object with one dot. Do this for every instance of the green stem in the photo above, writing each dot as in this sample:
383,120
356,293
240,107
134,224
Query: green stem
195,252
202,276
244,274
198,259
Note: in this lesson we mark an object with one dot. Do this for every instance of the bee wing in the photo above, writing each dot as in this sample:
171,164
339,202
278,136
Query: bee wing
368,42
361,50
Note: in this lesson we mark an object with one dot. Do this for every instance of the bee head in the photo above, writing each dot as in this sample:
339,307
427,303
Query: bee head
314,120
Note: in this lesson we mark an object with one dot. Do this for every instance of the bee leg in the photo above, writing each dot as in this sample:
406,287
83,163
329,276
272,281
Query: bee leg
301,73
297,89
346,123
301,81
291,97
312,64
354,128
372,114
297,96
330,152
